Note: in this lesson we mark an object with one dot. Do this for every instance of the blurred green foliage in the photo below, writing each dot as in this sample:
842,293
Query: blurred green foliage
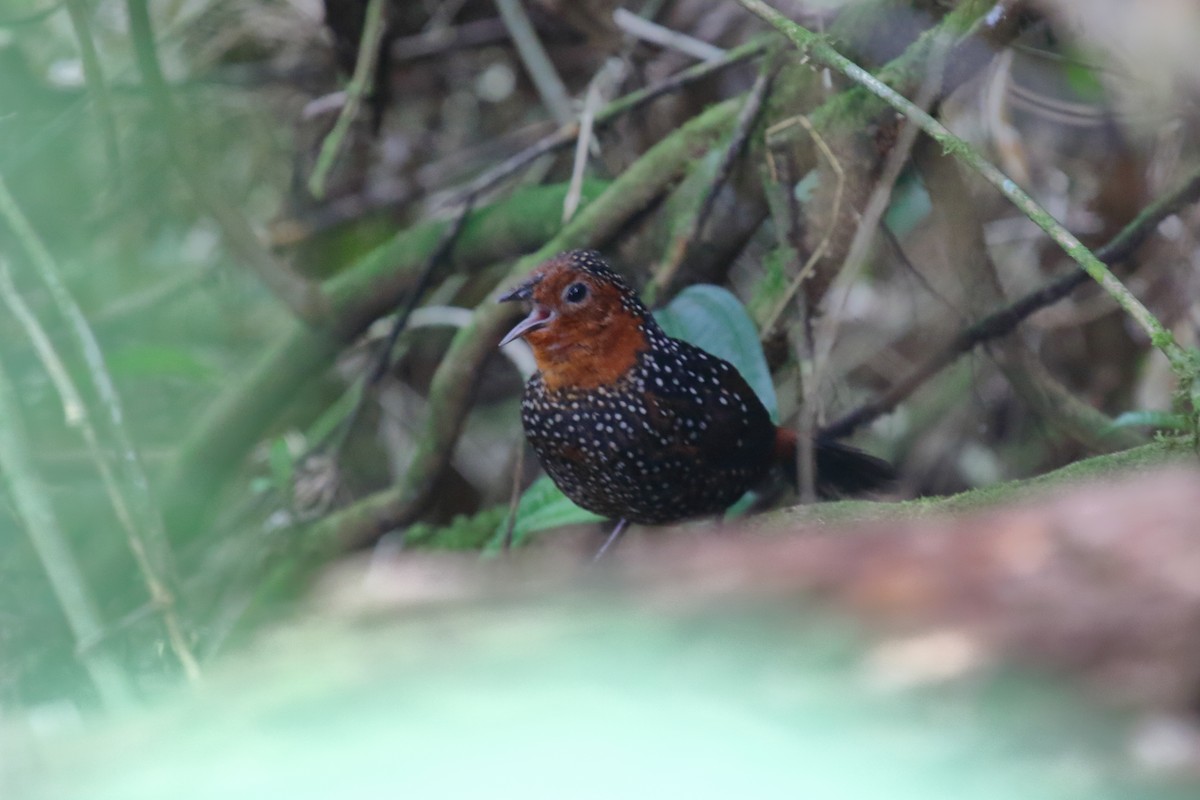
173,312
597,694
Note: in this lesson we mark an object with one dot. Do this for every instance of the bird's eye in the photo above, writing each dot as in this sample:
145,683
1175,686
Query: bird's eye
575,292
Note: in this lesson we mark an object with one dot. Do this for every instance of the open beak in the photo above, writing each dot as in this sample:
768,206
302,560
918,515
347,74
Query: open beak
539,315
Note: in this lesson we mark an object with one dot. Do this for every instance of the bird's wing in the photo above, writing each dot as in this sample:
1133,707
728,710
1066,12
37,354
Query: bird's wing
704,407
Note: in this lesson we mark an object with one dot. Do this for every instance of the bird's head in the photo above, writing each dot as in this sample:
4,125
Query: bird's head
585,325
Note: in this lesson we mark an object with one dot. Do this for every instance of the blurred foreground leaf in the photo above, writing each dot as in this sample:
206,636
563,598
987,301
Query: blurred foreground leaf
595,696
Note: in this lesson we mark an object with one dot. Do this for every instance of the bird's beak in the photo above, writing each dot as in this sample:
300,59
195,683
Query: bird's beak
538,316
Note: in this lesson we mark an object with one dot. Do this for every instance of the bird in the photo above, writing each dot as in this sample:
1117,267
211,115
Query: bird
640,427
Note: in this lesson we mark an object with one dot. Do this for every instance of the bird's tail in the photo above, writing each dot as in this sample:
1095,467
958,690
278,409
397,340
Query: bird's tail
841,470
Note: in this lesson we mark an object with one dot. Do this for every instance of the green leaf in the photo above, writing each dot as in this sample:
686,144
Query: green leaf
714,320
542,507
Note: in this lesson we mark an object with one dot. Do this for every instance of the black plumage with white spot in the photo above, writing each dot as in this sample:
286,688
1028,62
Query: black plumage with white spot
680,434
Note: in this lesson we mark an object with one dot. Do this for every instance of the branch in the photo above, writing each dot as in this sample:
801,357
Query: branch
959,227
383,359
650,31
853,130
437,41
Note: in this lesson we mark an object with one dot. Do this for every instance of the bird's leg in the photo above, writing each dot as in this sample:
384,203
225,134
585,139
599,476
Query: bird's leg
617,530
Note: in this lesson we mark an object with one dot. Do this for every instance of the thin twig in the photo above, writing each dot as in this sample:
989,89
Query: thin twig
597,89
439,254
66,578
1005,320
93,355
806,420
777,313
812,346
545,78
361,84
436,41
893,241
514,498
650,31
780,188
